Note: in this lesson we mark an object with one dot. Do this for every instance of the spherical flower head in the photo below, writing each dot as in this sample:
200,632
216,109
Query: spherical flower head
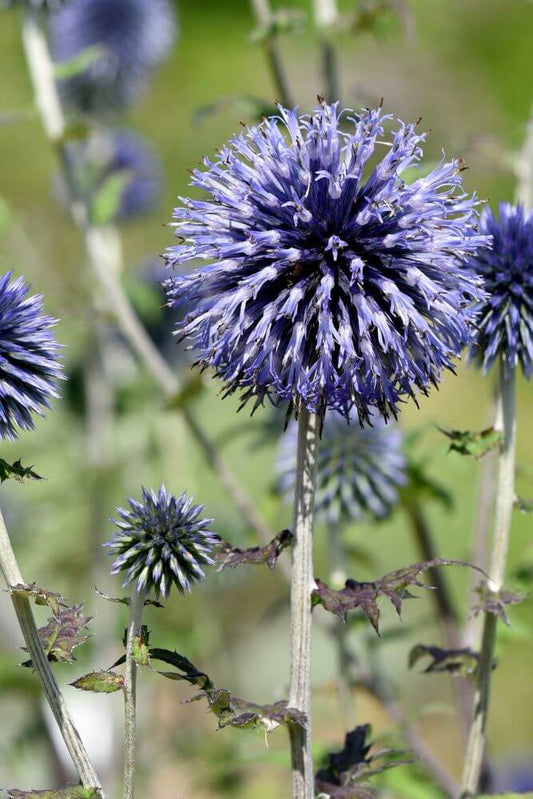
359,469
130,39
162,541
29,368
505,320
120,165
331,282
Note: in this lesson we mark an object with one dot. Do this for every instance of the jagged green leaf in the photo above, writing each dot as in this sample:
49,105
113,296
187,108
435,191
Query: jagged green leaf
41,596
17,470
364,596
456,661
125,600
62,634
477,444
230,556
100,682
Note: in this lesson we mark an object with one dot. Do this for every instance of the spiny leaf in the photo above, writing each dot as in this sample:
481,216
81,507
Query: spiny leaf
17,470
100,682
466,442
346,773
234,712
41,596
70,792
269,554
495,602
125,600
364,595
64,631
456,661
188,670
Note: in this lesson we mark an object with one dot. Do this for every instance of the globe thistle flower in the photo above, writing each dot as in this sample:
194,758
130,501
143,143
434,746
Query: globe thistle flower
29,368
505,321
161,541
359,470
121,155
332,283
131,38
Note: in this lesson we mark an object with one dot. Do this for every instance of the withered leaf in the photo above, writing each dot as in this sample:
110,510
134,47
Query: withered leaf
41,596
70,792
364,596
477,444
125,600
230,556
100,682
456,661
232,711
496,602
18,471
346,773
64,631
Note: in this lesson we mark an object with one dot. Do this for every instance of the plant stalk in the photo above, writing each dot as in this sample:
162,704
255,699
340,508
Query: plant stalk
104,254
130,693
500,545
326,14
21,603
264,19
301,587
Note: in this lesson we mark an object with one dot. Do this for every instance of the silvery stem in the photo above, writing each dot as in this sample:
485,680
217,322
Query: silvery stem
500,545
301,587
21,603
326,14
263,17
130,693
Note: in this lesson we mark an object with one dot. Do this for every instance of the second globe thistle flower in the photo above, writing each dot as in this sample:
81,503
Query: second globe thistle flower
333,283
162,541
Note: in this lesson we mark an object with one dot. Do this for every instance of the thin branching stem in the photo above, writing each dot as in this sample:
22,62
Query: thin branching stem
21,603
130,693
104,254
498,560
264,19
301,586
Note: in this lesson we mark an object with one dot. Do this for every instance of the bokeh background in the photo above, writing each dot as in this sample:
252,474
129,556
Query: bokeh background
467,69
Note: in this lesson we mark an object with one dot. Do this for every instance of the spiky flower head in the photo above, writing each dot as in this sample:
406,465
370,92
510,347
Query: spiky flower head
331,282
505,321
128,39
122,168
29,367
359,470
161,541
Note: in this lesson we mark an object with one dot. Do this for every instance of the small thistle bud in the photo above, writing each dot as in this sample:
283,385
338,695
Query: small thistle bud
160,541
505,321
359,470
29,368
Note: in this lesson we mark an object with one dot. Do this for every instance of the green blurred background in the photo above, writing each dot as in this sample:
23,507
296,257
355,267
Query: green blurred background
466,68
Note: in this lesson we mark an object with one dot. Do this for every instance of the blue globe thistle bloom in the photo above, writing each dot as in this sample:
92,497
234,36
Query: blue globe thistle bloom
505,322
130,37
117,155
359,469
29,368
162,541
331,282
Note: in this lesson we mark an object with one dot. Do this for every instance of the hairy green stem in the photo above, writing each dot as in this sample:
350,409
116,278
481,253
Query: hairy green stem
103,248
498,560
301,587
263,17
21,603
130,693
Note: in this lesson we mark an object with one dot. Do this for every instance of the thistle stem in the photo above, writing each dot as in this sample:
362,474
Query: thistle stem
21,603
104,253
263,17
500,545
326,15
130,693
301,586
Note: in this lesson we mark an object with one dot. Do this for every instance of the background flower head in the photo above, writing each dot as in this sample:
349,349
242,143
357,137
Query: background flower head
505,321
129,39
359,469
331,282
29,367
161,541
